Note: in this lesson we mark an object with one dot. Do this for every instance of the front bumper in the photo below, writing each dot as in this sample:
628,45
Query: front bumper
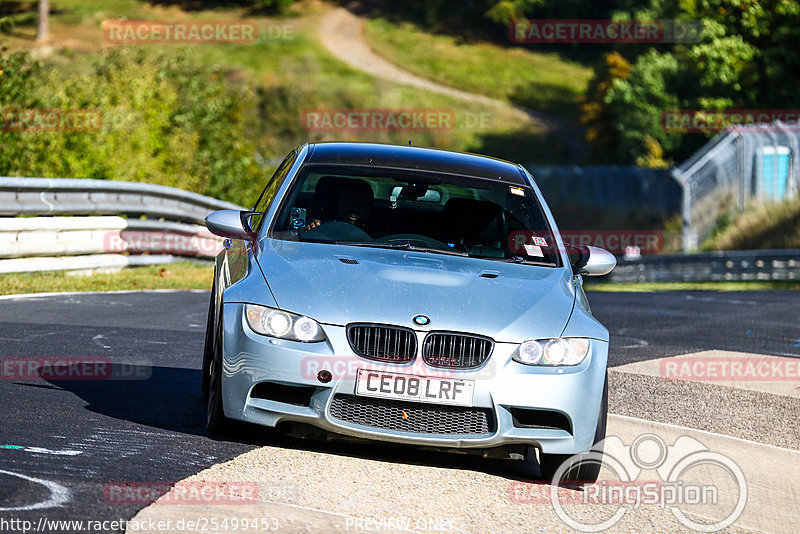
501,385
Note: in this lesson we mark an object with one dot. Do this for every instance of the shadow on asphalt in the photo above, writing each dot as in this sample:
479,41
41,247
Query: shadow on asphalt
170,399
161,397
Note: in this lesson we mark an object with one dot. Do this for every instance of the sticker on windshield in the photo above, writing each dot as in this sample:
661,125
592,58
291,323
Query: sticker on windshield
533,250
539,241
517,191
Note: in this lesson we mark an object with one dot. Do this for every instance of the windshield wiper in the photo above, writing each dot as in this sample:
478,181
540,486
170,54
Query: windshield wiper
439,251
401,246
375,244
520,259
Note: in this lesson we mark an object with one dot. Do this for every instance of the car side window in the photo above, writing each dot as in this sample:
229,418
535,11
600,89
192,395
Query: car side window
268,195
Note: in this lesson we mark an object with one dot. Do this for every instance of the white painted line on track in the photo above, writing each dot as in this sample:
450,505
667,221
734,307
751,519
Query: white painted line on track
59,495
41,450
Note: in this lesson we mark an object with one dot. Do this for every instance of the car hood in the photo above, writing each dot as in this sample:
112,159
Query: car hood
508,302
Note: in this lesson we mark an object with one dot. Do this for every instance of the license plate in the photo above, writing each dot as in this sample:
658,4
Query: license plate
414,388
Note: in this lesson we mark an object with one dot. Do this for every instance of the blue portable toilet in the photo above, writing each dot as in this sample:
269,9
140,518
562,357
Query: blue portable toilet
772,172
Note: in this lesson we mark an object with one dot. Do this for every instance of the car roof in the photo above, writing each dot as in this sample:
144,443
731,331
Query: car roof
415,158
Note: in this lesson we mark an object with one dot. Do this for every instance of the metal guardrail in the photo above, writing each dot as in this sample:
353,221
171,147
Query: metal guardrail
70,196
743,265
66,233
76,224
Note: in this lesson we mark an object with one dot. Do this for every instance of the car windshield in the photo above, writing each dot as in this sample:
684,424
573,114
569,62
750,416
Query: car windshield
416,210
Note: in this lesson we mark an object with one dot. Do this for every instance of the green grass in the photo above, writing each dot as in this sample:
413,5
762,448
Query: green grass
541,81
311,76
295,75
760,226
693,286
180,275
197,275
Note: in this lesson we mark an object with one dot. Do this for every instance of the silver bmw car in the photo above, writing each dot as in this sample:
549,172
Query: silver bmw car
409,295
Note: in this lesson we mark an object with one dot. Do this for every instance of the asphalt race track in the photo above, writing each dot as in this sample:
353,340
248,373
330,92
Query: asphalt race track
144,430
679,322
67,439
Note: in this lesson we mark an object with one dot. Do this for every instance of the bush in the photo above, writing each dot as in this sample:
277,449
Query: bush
635,103
273,6
165,120
760,226
17,75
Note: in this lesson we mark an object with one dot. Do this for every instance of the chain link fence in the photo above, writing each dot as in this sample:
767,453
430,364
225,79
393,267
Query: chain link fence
734,168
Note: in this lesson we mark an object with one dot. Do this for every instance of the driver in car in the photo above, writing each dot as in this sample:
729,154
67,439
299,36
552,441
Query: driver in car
347,200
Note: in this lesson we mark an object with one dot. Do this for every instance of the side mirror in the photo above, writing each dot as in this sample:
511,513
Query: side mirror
230,223
591,261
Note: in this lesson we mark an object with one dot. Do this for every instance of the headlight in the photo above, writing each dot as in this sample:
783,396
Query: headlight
529,353
285,325
556,351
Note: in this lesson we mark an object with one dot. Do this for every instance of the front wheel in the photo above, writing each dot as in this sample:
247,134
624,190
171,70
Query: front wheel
582,467
208,346
216,422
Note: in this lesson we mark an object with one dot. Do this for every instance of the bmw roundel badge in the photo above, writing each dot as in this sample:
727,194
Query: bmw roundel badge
421,320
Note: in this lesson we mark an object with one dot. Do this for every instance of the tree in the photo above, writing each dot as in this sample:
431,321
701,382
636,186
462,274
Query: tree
637,103
596,114
44,18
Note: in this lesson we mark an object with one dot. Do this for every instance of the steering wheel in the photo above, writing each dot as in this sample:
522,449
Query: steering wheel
338,231
414,239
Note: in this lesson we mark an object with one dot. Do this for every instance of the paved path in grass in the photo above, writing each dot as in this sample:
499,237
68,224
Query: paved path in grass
342,33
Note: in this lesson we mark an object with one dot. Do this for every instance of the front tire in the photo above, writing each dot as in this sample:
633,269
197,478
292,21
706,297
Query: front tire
216,422
208,346
582,467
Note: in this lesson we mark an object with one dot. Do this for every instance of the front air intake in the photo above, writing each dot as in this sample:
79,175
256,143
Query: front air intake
295,395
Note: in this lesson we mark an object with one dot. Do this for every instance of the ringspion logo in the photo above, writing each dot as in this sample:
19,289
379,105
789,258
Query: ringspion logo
682,476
